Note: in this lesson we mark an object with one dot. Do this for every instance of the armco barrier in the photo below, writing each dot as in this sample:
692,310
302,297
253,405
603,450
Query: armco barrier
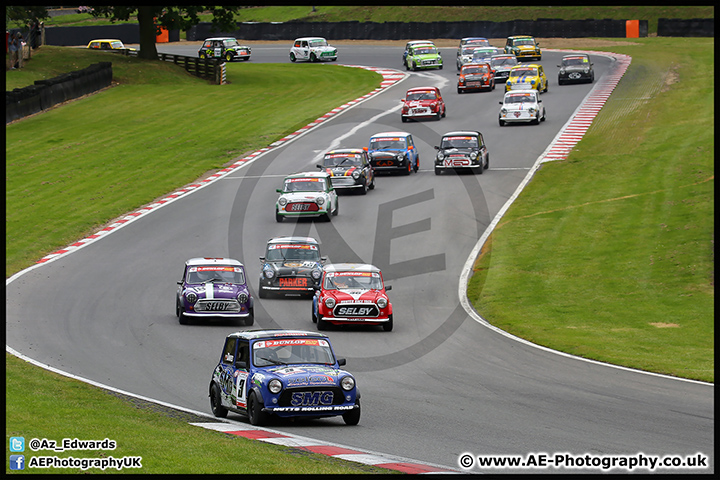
45,94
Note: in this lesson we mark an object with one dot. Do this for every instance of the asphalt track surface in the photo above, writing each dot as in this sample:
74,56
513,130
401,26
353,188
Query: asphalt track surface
441,383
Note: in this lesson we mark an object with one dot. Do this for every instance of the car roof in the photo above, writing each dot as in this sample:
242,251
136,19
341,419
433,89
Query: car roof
502,55
351,267
420,42
220,38
476,64
310,38
309,175
423,89
345,150
212,261
532,91
391,134
275,333
521,36
459,133
105,40
525,65
465,39
293,239
576,55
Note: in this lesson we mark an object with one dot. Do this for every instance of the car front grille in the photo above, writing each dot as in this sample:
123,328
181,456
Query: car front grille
218,305
350,310
311,396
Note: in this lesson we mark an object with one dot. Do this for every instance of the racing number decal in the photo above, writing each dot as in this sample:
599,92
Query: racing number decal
240,383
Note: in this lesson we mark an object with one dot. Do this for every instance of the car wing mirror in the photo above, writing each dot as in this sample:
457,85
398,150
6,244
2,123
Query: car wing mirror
500,103
388,287
437,148
341,362
262,259
323,259
278,190
319,166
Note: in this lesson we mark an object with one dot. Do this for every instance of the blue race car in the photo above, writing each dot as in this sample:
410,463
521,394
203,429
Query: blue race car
282,373
394,152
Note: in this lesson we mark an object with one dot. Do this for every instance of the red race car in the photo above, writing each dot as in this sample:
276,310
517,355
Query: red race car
423,102
352,294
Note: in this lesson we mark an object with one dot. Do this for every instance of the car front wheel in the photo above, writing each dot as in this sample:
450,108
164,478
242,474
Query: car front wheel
254,411
353,416
292,57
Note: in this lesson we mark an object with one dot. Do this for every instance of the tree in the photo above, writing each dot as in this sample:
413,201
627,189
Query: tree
152,18
22,17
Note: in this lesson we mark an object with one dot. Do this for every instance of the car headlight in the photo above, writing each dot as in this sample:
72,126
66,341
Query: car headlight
282,202
347,383
473,155
440,156
503,110
316,274
329,302
586,70
242,297
320,200
275,386
382,302
531,110
268,272
356,174
509,83
191,297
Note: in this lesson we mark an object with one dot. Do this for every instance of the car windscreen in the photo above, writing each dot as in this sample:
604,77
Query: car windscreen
352,281
318,43
230,43
215,274
304,185
574,61
459,142
292,351
475,70
425,50
525,42
342,160
283,252
391,143
524,72
421,96
511,61
520,98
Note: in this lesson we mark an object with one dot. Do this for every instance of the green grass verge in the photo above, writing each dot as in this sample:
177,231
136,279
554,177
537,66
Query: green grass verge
609,254
44,405
72,169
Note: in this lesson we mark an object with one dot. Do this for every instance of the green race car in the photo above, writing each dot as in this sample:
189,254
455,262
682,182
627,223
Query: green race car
422,57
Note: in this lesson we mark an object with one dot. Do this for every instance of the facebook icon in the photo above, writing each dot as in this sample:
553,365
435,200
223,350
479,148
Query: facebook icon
17,462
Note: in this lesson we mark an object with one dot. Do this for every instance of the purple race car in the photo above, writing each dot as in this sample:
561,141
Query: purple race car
213,287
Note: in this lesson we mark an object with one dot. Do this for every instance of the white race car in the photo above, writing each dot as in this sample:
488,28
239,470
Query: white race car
313,49
307,194
521,106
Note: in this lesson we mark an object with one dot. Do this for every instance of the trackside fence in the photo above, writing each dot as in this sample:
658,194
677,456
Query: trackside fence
45,94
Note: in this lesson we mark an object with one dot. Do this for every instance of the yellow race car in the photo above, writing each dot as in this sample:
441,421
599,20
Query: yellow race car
528,76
